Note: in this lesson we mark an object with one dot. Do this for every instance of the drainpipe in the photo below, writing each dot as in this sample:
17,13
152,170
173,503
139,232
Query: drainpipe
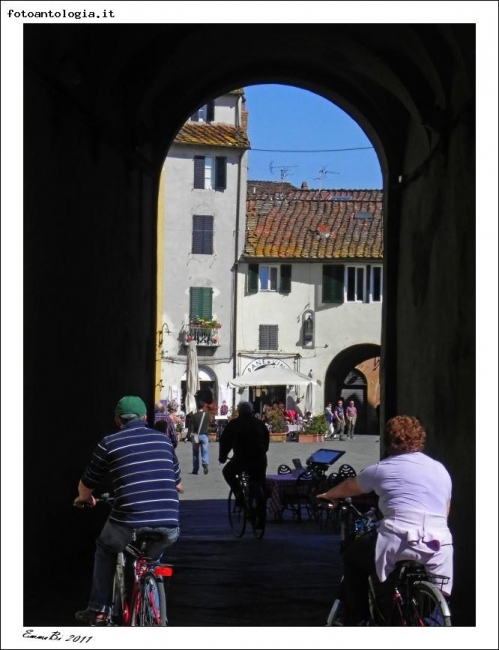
235,274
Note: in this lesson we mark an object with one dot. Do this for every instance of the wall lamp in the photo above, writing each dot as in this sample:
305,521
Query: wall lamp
164,330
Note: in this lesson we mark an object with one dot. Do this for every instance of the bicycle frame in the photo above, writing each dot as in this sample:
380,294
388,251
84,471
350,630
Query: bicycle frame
142,566
126,607
248,513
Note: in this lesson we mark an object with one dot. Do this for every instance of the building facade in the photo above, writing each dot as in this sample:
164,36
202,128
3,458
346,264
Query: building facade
263,274
310,287
202,219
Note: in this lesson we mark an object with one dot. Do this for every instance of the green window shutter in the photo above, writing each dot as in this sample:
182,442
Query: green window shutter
220,173
285,286
199,172
332,283
210,111
202,234
253,278
201,299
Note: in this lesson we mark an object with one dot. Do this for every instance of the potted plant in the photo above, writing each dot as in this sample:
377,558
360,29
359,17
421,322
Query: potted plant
274,417
315,431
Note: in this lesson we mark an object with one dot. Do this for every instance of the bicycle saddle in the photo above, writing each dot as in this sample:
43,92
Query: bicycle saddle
147,535
404,568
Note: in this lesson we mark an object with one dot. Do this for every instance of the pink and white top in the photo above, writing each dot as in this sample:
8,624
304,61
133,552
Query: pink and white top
414,491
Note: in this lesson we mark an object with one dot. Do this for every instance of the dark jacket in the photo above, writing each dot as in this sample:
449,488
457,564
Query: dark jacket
248,439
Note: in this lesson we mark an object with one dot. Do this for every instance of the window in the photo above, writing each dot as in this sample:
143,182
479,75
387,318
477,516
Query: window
268,337
308,329
205,113
201,302
361,283
264,277
210,173
376,288
355,281
333,283
202,234
268,278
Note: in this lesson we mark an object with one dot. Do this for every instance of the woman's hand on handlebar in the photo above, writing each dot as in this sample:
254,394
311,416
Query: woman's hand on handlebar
332,503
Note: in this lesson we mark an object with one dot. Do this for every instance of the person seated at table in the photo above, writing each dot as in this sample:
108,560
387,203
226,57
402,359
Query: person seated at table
248,439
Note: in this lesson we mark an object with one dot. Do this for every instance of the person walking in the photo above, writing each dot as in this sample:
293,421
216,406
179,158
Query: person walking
198,435
248,439
135,455
351,419
339,419
414,493
328,412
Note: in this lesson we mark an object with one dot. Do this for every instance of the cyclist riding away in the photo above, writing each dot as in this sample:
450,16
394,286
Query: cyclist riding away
145,478
248,439
414,498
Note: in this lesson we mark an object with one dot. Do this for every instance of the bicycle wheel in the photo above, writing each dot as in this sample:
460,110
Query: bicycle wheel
237,515
335,618
257,512
427,606
149,608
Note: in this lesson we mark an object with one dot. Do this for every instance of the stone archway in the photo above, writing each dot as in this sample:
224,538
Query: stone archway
100,115
349,362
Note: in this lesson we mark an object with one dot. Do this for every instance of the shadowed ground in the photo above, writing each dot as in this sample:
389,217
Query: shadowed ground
285,579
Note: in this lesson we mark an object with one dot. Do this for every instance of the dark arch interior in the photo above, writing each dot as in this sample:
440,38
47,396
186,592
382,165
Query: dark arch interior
100,113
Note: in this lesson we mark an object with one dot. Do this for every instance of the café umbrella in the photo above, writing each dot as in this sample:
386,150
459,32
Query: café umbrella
192,378
309,398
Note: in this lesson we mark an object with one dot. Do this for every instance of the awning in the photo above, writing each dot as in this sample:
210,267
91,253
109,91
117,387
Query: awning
271,376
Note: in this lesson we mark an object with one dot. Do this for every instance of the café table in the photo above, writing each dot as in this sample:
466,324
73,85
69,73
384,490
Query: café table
278,486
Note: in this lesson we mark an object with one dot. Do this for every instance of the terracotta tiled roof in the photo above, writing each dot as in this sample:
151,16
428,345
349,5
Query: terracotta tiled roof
263,189
302,227
212,135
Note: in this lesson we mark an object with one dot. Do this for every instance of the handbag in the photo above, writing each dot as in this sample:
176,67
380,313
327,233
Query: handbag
195,436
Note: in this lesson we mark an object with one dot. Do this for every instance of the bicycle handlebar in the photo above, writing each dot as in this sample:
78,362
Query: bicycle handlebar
105,498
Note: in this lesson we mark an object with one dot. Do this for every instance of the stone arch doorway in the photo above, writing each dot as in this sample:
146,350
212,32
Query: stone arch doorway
207,382
354,374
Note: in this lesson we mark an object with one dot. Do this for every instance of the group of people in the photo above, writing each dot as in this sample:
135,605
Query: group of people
414,497
341,421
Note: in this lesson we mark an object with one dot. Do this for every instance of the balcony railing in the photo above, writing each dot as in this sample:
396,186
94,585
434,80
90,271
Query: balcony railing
203,336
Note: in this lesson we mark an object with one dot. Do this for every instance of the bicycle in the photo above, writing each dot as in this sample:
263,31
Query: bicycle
251,508
145,606
410,597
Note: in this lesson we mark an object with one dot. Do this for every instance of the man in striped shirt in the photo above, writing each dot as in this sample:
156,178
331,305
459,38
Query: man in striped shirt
145,476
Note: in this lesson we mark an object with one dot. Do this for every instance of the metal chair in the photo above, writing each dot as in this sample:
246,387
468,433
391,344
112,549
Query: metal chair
346,471
298,497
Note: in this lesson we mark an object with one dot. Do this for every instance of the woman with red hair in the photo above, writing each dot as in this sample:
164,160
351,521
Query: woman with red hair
414,493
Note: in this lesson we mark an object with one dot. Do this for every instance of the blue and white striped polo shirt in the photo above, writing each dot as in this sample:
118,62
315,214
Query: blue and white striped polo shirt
144,471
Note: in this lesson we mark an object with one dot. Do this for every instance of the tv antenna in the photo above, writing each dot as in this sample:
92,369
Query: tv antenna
284,171
322,172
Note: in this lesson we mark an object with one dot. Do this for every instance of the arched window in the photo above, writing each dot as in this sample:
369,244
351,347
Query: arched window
308,329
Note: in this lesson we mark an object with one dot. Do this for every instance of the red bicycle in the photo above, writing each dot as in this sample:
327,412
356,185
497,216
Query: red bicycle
144,604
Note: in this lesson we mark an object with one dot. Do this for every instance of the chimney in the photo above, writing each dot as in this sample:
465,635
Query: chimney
304,185
244,117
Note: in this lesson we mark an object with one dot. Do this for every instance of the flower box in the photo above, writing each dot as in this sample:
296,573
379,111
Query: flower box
316,437
280,436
